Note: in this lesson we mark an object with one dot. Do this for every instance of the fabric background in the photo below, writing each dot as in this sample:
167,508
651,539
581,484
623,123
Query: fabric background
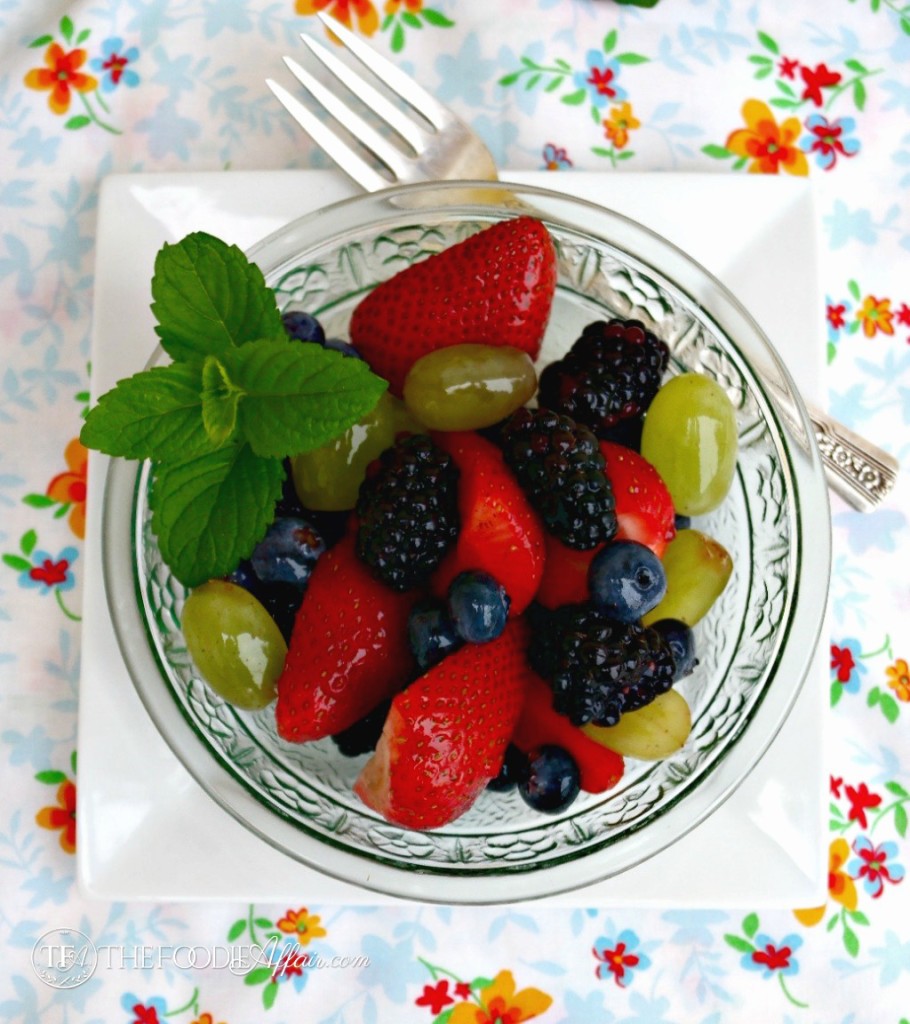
174,85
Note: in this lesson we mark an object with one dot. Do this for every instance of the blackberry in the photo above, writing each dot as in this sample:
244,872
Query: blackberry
363,735
408,512
560,467
608,378
597,667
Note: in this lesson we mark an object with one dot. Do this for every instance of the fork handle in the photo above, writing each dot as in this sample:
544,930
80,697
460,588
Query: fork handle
860,472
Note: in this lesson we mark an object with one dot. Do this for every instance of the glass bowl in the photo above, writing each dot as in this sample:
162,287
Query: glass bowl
755,646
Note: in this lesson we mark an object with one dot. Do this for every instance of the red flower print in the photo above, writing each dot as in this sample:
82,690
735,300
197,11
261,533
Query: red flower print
435,996
817,79
836,783
861,800
787,67
772,958
842,660
600,79
145,1014
463,990
49,572
617,960
837,320
903,315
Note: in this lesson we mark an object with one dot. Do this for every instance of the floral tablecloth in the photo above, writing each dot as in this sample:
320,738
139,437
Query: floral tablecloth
788,87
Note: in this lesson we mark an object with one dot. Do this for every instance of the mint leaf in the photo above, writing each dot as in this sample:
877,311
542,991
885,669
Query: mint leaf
155,414
297,397
208,297
209,512
219,402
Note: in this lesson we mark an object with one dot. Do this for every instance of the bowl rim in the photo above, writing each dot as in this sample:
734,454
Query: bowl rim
676,820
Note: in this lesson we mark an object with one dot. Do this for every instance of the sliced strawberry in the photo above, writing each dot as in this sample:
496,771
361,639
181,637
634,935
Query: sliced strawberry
348,649
494,288
644,511
500,532
445,736
600,768
644,507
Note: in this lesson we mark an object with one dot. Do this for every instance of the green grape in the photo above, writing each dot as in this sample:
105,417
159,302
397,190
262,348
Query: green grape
650,733
690,438
466,387
234,643
328,478
697,569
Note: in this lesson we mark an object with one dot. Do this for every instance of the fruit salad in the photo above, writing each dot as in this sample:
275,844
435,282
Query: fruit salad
472,572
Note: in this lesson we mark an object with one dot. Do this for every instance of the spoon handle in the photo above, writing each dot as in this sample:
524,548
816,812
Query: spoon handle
861,473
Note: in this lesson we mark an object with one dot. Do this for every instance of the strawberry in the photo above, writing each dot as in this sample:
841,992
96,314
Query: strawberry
494,288
600,768
644,511
500,532
348,648
445,736
643,504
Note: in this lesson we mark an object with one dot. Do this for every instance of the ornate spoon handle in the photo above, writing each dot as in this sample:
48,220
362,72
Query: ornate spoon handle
861,473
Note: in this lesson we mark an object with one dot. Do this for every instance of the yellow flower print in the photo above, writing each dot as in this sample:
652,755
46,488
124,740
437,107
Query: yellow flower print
69,487
303,925
899,679
501,1004
346,11
841,887
60,76
770,147
618,125
875,315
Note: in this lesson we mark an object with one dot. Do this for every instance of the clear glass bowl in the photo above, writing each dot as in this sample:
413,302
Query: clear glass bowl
755,646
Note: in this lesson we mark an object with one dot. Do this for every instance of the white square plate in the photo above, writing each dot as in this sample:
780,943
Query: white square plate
147,831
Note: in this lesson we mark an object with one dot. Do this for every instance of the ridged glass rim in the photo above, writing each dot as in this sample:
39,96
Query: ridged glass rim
807,496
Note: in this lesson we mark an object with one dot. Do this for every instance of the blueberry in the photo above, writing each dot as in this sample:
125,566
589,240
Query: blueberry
431,634
288,552
551,781
478,605
337,345
681,641
626,580
682,522
303,327
513,769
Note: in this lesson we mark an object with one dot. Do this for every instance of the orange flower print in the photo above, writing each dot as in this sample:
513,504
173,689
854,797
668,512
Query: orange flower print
770,147
841,887
301,924
618,125
875,315
63,816
69,488
60,76
346,11
205,1018
899,679
501,1004
394,6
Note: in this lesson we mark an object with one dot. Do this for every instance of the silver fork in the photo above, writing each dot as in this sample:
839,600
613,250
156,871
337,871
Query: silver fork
444,148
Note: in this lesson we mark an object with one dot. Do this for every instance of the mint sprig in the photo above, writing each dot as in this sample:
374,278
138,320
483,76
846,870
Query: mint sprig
210,298
217,422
